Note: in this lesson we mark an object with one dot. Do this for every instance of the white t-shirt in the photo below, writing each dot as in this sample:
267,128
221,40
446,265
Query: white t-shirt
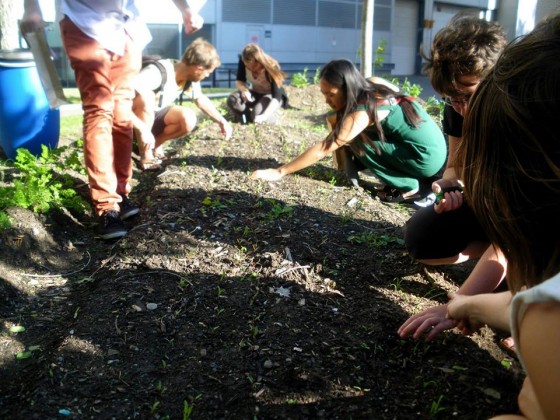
109,22
150,77
547,291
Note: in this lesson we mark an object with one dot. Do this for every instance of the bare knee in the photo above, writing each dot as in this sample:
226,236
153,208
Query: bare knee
188,121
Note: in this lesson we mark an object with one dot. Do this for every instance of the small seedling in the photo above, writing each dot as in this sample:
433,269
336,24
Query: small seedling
436,406
278,211
154,407
160,388
375,239
187,410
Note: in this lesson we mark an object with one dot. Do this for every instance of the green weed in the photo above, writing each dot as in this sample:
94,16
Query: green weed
214,203
379,54
5,221
278,211
187,410
374,239
160,388
37,186
316,76
411,89
154,407
300,80
436,406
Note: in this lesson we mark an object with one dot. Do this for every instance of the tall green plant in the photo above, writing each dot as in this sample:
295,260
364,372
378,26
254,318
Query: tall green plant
379,54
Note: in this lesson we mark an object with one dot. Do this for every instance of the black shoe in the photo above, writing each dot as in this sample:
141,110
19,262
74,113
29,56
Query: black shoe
128,208
111,225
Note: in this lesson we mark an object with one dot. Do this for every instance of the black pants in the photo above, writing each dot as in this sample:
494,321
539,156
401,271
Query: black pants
245,112
429,235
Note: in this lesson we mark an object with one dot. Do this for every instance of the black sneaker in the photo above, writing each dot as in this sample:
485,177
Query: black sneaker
128,208
111,225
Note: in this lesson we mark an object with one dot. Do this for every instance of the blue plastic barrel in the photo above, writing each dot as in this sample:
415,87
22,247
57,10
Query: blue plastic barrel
26,120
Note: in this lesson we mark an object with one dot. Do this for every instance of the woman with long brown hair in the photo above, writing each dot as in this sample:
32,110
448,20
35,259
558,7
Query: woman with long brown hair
259,82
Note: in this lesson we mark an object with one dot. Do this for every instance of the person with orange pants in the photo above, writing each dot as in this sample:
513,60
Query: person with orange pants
104,41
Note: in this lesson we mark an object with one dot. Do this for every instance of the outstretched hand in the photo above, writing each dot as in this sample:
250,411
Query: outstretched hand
267,174
432,321
226,129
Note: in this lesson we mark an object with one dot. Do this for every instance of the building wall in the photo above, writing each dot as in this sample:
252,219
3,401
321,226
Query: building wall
404,48
298,31
310,31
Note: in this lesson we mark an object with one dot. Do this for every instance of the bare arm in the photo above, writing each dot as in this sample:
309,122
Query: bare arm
488,273
191,19
352,126
453,199
539,346
32,19
452,155
492,309
206,106
143,107
245,92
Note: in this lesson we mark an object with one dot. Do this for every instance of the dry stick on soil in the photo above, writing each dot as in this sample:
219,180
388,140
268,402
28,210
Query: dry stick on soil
48,276
430,278
287,270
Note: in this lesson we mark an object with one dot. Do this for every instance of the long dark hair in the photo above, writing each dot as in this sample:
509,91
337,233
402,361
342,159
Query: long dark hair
510,155
358,91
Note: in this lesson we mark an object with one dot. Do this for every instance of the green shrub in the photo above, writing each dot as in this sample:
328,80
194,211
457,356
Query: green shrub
379,54
299,80
411,89
38,187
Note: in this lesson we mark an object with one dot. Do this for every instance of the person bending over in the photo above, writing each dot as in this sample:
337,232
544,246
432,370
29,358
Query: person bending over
390,134
511,170
462,54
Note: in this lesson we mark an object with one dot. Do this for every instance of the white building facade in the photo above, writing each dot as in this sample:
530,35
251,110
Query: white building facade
317,31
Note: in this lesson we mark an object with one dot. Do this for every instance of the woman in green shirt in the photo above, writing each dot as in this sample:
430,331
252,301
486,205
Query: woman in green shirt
377,128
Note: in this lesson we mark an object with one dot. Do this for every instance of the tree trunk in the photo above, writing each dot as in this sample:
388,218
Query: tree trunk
9,32
367,38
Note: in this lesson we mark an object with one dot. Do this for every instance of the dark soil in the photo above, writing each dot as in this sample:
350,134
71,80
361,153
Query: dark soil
237,299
